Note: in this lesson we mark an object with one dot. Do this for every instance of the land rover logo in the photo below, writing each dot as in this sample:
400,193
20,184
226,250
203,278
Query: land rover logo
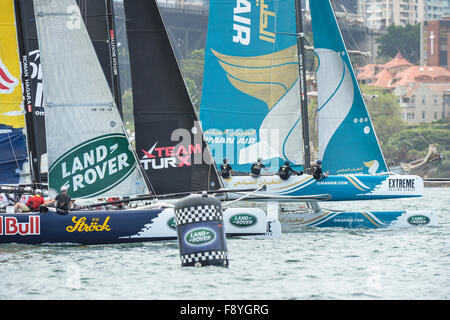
171,223
200,237
418,220
243,220
94,166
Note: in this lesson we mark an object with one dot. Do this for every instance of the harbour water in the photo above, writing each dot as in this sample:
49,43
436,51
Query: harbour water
410,263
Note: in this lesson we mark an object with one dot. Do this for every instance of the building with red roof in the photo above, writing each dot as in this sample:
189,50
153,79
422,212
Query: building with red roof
423,91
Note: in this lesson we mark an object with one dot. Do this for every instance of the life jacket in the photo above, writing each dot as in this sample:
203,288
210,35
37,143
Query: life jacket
316,172
284,172
35,202
225,170
256,169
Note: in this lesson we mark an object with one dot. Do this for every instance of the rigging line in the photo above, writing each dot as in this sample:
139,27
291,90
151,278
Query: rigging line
243,197
12,149
83,9
355,43
423,138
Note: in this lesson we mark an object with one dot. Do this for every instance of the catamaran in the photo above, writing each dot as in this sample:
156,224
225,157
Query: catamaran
254,105
88,149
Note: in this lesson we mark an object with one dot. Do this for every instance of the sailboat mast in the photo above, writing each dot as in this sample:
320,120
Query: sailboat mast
26,80
114,56
302,83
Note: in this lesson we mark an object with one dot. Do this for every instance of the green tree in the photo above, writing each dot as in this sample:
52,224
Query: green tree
127,110
403,39
412,144
192,68
384,110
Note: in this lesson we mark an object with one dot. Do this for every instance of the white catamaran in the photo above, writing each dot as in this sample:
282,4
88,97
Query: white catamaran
254,106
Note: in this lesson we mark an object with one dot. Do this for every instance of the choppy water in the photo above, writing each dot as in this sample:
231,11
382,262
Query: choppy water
412,263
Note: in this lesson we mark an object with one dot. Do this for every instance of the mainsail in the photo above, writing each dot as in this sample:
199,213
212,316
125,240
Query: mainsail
88,149
169,139
32,89
14,165
98,17
347,139
251,95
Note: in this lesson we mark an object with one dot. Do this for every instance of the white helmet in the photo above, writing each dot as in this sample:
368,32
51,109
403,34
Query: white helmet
38,191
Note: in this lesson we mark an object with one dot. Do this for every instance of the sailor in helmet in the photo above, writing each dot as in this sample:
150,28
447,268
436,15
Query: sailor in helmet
317,170
256,168
285,171
62,201
33,203
225,169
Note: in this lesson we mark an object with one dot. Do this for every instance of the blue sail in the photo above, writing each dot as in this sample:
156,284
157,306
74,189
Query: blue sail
13,155
250,99
347,139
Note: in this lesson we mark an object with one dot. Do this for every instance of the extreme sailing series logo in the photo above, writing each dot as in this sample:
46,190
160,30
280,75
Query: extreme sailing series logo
402,184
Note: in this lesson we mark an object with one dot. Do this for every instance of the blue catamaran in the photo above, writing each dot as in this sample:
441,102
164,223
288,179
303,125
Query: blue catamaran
254,106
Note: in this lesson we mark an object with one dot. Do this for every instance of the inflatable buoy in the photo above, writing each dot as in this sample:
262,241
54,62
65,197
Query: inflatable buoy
200,230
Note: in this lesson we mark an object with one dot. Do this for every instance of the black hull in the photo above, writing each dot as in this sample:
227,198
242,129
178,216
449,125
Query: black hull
85,227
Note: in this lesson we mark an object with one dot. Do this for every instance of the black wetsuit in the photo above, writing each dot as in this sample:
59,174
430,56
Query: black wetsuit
225,170
285,172
256,168
317,172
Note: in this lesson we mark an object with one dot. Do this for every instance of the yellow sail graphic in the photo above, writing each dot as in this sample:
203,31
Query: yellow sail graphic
266,77
11,112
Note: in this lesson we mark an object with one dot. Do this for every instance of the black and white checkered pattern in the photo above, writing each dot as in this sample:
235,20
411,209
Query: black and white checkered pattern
197,214
203,256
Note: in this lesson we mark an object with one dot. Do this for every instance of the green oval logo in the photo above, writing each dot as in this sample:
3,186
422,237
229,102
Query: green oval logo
93,167
200,237
243,220
418,220
171,223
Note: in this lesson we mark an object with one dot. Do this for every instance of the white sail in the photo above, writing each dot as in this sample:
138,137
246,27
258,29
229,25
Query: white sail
88,149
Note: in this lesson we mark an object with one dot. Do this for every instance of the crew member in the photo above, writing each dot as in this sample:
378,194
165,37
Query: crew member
225,169
62,201
256,168
32,204
317,171
285,171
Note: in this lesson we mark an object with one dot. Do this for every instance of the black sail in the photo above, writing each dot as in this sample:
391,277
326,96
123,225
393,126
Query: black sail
32,87
169,139
98,16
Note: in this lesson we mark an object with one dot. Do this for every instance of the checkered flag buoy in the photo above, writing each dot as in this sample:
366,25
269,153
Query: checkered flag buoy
200,230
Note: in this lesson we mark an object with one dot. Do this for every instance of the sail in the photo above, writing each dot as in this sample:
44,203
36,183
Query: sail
347,139
97,15
250,104
14,164
32,88
88,149
169,139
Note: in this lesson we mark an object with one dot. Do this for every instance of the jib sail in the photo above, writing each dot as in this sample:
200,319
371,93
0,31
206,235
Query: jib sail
169,139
